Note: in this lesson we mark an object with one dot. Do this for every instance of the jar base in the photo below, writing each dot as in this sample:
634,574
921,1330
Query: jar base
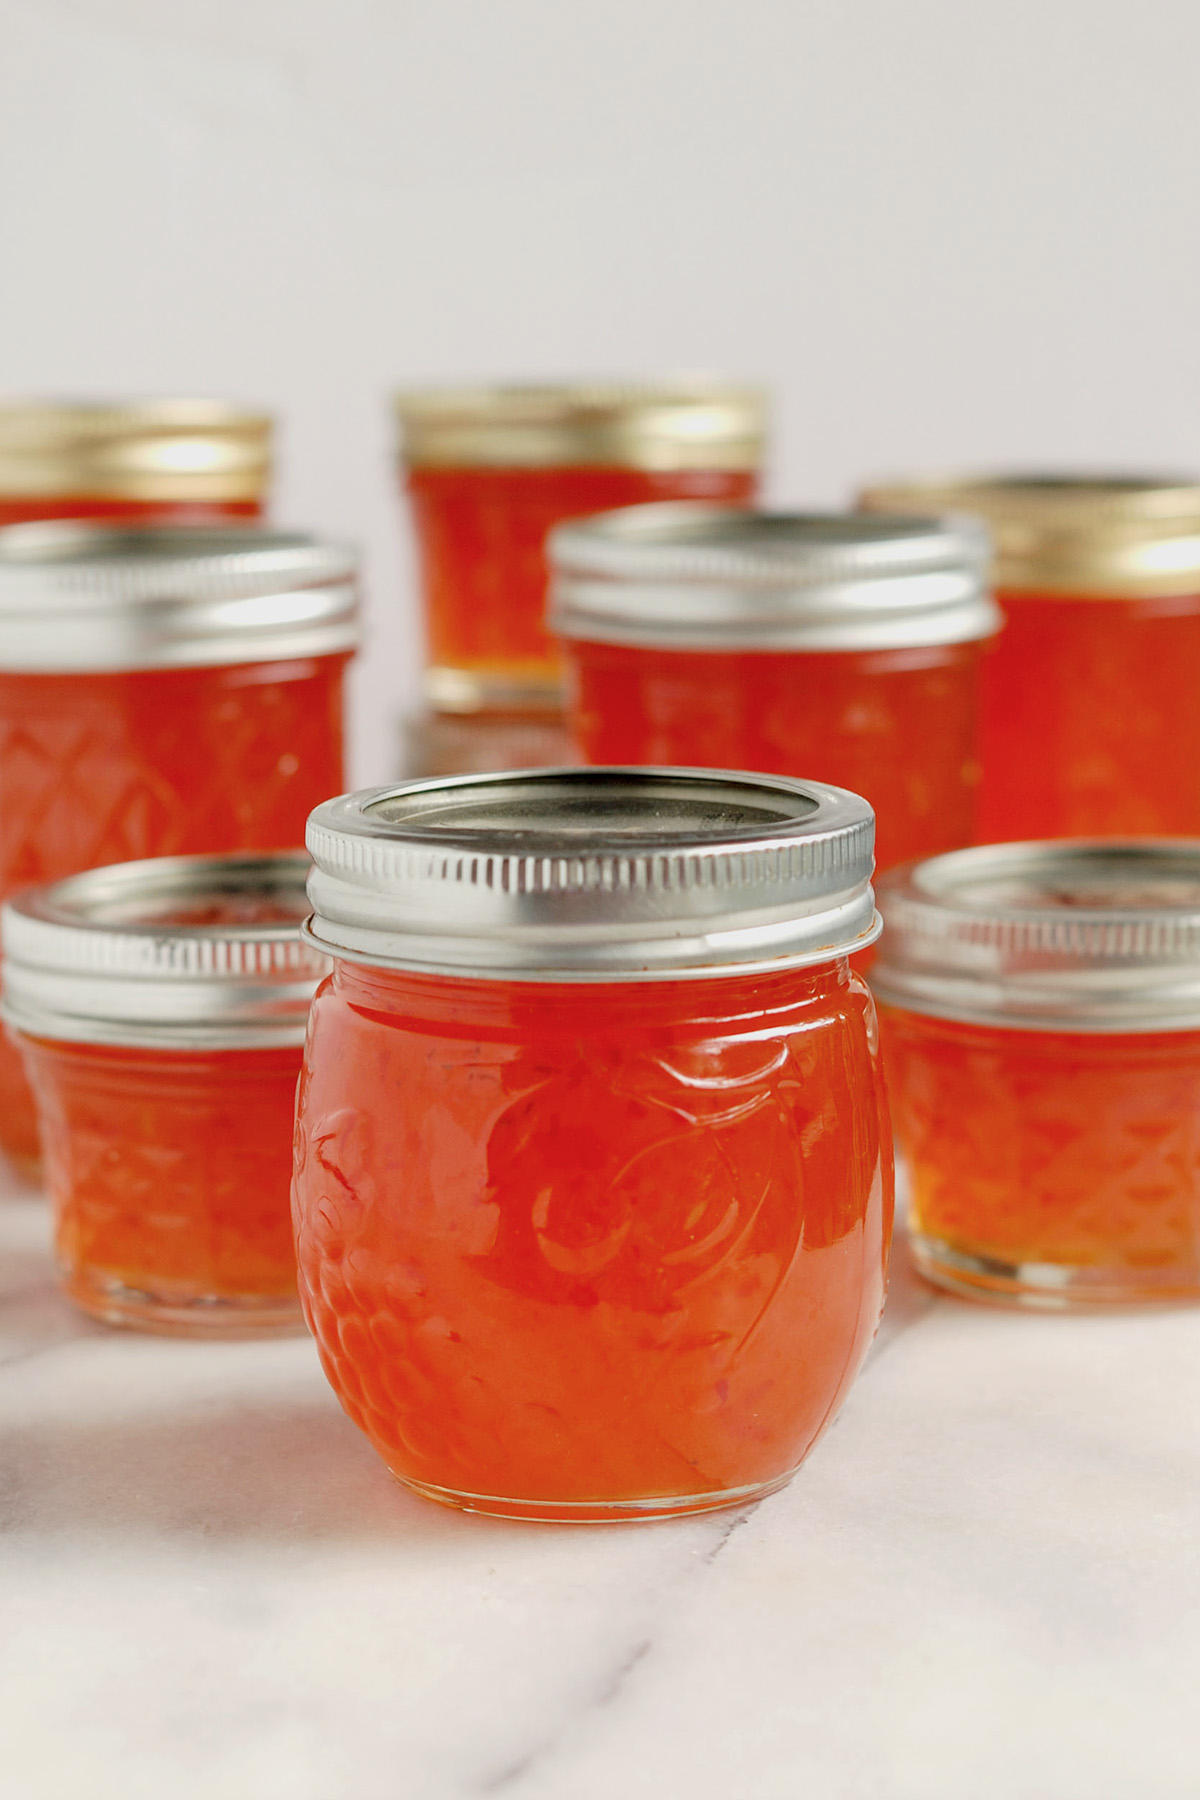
1048,1287
596,1512
113,1302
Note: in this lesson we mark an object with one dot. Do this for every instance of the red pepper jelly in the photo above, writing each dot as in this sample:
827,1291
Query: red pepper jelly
1089,723
161,1009
785,643
162,692
1042,1028
593,1171
164,461
489,471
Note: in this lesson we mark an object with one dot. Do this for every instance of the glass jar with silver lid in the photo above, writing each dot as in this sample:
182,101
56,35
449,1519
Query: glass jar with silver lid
1043,1017
161,1010
593,1179
163,691
834,646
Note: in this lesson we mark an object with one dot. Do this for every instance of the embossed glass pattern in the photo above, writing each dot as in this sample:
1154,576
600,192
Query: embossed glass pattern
593,1172
592,1252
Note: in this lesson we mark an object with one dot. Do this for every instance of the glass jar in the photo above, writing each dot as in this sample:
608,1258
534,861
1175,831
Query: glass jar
161,1007
490,470
1042,1030
839,646
1089,721
170,461
162,692
593,1172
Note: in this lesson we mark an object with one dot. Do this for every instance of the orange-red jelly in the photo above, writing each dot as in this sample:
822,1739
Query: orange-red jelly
1076,1155
1090,725
481,534
101,767
169,1171
18,509
592,1251
897,726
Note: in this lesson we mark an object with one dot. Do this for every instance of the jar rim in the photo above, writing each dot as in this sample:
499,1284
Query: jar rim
593,874
175,952
691,575
1068,935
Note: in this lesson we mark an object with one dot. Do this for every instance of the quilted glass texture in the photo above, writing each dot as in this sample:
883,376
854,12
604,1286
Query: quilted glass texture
99,769
168,1170
1040,1147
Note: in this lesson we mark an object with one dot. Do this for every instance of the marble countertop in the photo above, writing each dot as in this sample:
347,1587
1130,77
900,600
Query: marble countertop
984,1585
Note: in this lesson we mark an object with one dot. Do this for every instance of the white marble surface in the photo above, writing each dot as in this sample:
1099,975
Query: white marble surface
985,1585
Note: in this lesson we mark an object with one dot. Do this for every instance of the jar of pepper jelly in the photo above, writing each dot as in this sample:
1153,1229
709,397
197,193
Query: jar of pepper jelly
1089,720
784,642
163,691
593,1172
1042,1028
490,470
170,461
161,1007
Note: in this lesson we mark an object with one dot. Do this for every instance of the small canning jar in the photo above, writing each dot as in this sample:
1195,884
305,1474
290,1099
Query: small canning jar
1041,1007
163,691
1089,723
170,461
160,1007
593,1170
490,470
786,643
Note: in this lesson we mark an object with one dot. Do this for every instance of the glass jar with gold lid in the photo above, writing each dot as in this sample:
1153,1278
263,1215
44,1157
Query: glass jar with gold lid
490,471
174,461
1090,724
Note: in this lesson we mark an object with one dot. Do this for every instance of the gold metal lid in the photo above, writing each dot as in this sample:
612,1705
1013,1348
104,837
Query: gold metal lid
683,424
1067,534
152,450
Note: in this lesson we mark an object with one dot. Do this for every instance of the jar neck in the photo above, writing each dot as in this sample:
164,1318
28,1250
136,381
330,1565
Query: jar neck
748,999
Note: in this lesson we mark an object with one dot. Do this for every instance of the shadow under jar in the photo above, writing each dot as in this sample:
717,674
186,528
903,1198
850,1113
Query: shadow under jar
163,691
1041,1007
490,470
159,461
161,1007
795,644
593,1170
1090,725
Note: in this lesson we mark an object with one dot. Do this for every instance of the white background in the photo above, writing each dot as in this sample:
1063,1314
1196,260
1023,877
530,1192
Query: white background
945,231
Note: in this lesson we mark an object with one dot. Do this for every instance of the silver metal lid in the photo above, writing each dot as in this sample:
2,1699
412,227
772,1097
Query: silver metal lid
593,874
79,597
1058,936
178,952
691,575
